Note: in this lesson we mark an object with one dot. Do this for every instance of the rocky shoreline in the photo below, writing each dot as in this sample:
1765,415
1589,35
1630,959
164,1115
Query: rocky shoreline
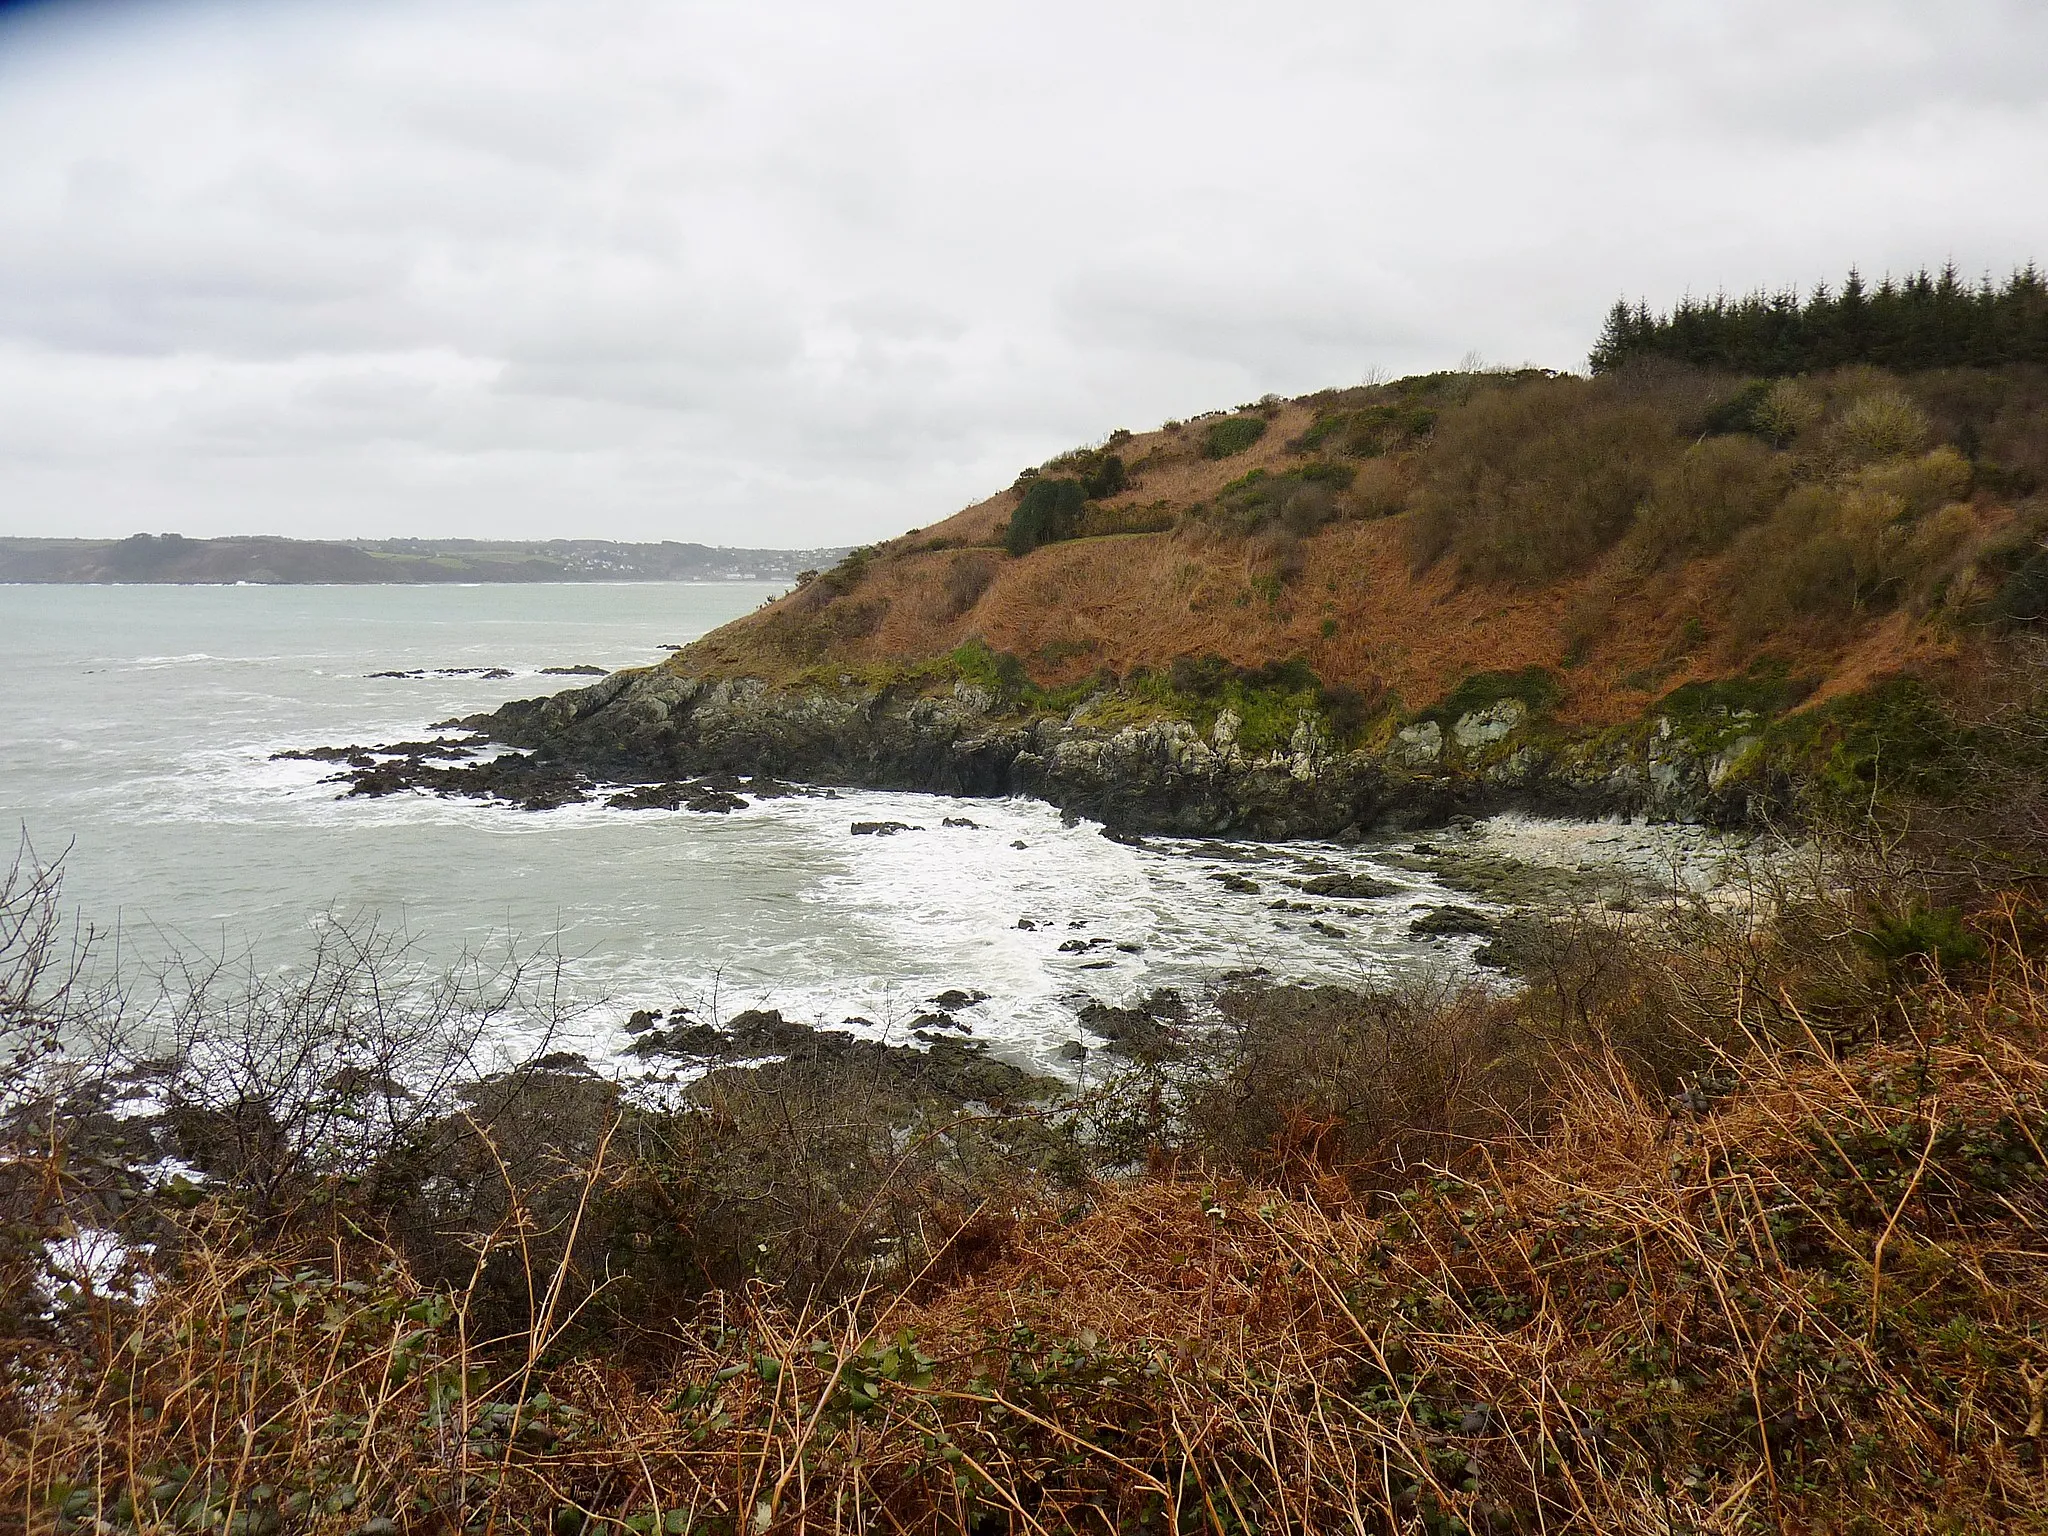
658,727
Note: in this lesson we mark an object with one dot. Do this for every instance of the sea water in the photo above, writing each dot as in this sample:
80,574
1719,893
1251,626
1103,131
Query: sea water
142,723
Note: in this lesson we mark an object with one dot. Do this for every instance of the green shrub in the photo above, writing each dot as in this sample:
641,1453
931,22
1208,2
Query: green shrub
1832,550
1924,933
1712,492
1298,500
1889,741
1231,436
1738,413
1005,675
998,671
1768,688
1049,510
1268,701
849,573
1106,478
2023,598
1919,485
1799,565
1370,432
1531,482
1533,686
1881,425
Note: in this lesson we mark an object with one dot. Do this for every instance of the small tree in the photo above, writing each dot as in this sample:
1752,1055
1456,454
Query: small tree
1048,511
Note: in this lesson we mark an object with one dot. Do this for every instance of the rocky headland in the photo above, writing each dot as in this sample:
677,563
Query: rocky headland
1168,776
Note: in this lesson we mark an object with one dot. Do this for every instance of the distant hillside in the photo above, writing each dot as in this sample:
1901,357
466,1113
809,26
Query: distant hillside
172,558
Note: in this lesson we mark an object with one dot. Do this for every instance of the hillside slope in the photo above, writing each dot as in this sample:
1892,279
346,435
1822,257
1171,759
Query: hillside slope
1482,588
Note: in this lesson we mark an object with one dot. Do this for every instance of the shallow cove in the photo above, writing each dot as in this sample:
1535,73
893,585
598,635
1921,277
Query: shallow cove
143,722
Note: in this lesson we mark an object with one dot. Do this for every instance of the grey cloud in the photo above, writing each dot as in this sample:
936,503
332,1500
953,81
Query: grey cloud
820,272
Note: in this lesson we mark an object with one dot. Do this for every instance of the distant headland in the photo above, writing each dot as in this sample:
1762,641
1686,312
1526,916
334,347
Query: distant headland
173,558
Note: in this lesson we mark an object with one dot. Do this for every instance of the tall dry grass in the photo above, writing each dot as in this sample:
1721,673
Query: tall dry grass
1810,1292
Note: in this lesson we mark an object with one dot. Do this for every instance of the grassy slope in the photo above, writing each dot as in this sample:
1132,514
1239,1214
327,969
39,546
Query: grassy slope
1359,611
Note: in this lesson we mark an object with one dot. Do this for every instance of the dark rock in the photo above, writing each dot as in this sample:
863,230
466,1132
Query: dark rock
643,1019
960,821
490,673
698,795
581,669
1328,930
519,778
1020,843
1073,1050
1234,882
681,1040
939,1020
882,828
1149,1030
954,997
1349,887
359,757
1158,776
1026,924
1448,922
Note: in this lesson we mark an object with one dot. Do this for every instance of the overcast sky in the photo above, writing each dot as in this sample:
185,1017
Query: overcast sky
806,273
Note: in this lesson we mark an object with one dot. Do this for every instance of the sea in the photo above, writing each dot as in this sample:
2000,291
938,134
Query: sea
143,723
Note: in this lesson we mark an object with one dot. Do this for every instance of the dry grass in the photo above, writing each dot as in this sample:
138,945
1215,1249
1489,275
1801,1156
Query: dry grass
1808,1295
1524,481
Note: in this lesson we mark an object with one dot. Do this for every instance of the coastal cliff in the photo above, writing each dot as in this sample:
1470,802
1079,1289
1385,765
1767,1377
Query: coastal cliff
1162,775
1663,591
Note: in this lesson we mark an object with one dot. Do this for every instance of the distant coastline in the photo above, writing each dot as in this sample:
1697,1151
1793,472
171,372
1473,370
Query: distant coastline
173,559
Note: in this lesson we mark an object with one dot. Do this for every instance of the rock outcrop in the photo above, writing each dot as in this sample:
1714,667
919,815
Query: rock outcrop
1158,776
